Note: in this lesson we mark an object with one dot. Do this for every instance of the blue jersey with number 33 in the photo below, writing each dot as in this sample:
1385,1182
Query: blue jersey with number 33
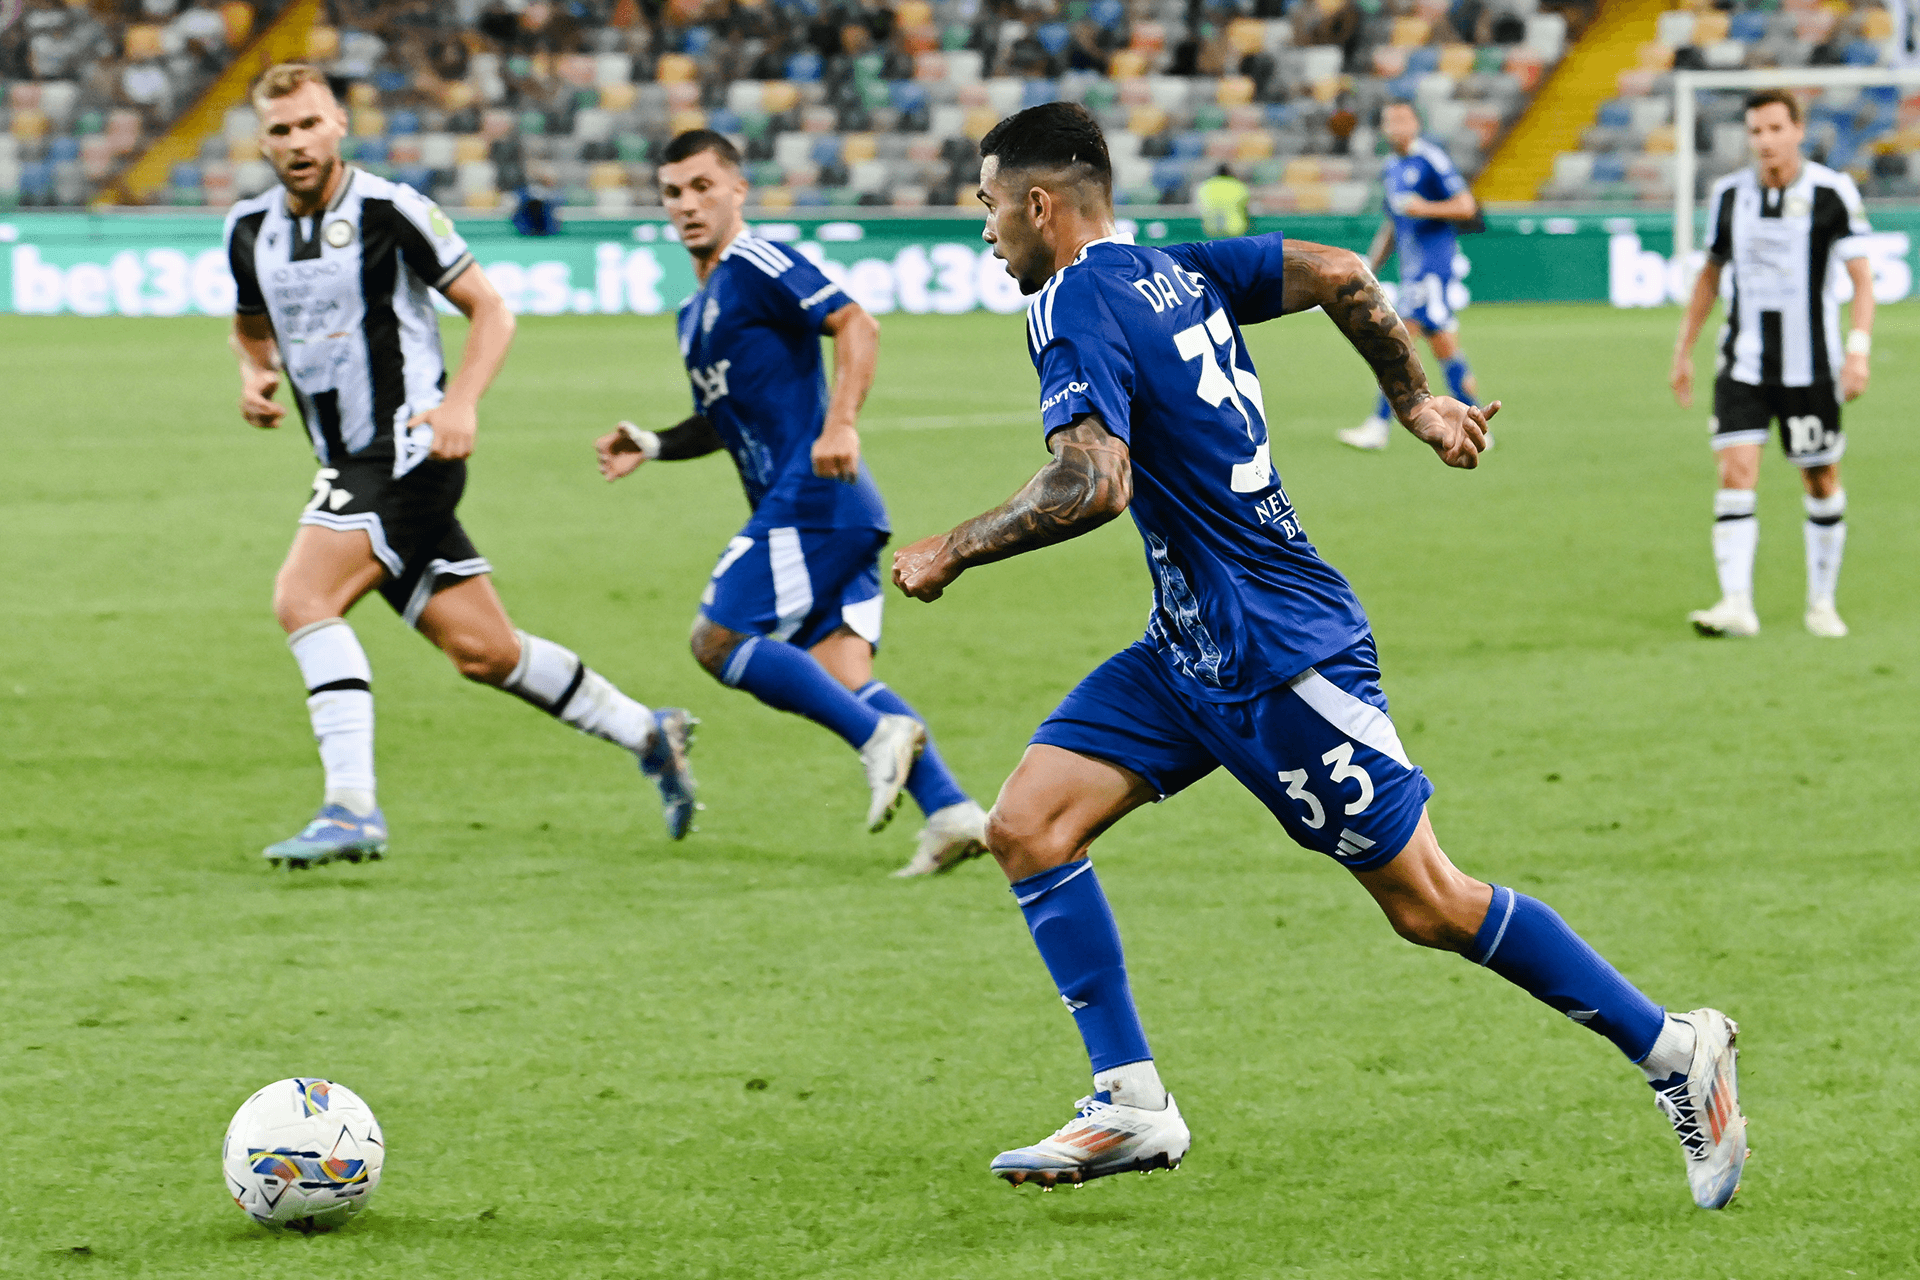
1149,339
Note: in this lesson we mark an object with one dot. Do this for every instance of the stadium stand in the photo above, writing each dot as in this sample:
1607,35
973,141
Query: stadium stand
472,101
1626,153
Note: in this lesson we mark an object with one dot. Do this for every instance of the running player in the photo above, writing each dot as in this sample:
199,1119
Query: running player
1427,199
1257,655
332,269
792,614
1781,225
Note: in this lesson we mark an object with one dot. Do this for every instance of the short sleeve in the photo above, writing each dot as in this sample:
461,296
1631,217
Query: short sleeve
1850,244
242,232
433,248
1720,246
1082,356
798,293
1443,174
1249,272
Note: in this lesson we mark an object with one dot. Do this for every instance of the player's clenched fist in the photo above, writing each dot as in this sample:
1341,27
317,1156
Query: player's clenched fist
1455,430
454,426
257,405
925,569
836,454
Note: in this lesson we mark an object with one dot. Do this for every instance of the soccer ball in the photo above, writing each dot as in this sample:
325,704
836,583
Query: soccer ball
303,1153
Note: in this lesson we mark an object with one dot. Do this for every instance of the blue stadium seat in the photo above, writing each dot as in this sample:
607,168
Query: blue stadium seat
1616,115
1038,92
804,68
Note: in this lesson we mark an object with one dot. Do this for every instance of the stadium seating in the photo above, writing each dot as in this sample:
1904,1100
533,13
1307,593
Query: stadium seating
1627,153
877,107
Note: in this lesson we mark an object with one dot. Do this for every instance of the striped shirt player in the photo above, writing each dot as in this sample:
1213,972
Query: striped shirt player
1426,202
1782,235
332,270
792,612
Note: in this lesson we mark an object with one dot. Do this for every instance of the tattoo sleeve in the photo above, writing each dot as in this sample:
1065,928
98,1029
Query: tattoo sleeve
1339,283
1089,482
691,438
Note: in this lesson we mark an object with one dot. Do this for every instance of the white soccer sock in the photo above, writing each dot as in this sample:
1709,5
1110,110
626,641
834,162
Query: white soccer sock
1826,544
553,678
1672,1052
340,704
1736,533
1137,1084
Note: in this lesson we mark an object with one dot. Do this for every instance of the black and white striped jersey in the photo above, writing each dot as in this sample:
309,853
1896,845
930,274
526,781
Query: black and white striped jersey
346,289
1784,244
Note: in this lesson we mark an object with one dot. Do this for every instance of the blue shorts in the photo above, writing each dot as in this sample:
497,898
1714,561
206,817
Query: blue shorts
1423,299
798,585
1319,750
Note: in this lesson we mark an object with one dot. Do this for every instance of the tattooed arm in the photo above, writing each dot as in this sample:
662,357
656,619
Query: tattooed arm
1340,284
1089,482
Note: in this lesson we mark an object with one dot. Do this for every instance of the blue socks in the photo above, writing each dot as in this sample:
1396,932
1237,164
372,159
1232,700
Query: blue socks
1457,375
930,785
1527,943
1073,927
1381,409
788,679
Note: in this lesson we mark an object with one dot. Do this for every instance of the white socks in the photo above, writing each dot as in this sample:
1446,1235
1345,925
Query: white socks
1672,1053
1736,534
553,678
1826,544
340,704
1137,1084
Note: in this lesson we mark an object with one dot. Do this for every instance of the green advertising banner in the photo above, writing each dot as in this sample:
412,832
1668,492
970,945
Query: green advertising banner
138,264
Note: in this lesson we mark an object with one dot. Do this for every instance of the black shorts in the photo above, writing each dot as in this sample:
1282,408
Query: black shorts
1809,419
409,520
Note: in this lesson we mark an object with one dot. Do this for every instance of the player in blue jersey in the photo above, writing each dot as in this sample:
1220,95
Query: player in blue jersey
1257,656
792,614
1426,201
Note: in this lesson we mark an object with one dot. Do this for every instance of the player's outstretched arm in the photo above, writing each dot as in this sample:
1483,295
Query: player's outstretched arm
623,449
1706,287
1339,283
253,346
1089,482
457,417
856,356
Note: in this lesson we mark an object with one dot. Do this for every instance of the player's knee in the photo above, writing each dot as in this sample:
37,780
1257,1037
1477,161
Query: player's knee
1437,921
712,646
1026,843
295,607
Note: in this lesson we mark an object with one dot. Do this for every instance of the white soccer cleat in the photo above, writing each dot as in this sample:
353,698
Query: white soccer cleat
1102,1138
1824,620
1704,1108
1372,434
951,836
888,758
1733,616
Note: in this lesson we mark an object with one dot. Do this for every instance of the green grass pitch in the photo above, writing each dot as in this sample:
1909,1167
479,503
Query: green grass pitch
596,1053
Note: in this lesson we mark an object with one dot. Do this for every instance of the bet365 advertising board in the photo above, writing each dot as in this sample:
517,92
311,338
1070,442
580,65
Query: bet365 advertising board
166,264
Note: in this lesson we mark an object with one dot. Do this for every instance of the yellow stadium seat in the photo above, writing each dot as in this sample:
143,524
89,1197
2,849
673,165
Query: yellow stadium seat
1876,24
607,175
1146,121
1301,171
1656,56
1253,144
369,122
1710,27
1456,60
1234,91
1327,88
362,94
323,44
480,198
143,42
618,97
469,147
30,124
1316,198
914,13
1411,33
1247,35
980,120
776,198
456,95
1660,140
681,121
677,68
1127,64
856,147
779,95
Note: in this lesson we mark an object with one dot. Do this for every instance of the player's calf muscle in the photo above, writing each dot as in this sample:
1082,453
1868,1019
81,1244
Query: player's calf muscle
712,645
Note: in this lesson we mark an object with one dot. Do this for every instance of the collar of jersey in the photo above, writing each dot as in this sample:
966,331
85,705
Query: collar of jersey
1089,244
339,198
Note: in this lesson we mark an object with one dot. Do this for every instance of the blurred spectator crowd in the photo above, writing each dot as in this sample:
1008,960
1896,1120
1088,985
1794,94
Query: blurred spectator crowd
876,103
1627,153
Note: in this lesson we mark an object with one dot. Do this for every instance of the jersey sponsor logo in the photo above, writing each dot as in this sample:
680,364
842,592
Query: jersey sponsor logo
304,271
1072,388
711,382
339,233
438,222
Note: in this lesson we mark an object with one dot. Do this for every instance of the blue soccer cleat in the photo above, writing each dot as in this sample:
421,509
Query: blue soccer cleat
335,832
1704,1108
1102,1138
665,761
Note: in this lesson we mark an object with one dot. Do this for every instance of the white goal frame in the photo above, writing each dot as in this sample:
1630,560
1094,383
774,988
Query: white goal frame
1686,88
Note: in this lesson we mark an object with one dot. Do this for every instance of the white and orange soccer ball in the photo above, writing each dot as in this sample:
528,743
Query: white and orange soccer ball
303,1153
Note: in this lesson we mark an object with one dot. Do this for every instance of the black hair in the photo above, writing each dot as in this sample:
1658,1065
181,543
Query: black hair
1053,135
687,145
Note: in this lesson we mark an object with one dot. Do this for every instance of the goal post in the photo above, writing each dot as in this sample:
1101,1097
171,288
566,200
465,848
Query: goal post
1686,88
